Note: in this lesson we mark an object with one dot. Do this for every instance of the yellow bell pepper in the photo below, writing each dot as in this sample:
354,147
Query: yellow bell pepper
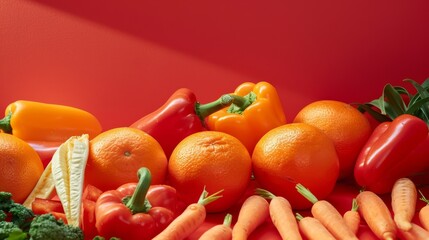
43,122
256,110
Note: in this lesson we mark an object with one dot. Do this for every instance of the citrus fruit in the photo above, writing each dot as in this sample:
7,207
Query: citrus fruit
214,160
348,128
20,167
296,153
116,155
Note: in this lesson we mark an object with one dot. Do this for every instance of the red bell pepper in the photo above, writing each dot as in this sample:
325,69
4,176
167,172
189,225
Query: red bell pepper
87,216
132,211
179,117
395,149
45,150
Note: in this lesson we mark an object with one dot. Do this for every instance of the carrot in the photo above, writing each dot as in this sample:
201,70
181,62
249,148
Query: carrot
313,229
189,220
377,215
281,215
219,232
253,212
416,232
328,215
352,217
404,200
424,212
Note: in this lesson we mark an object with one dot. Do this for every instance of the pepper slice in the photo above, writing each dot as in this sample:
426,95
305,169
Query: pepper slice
257,111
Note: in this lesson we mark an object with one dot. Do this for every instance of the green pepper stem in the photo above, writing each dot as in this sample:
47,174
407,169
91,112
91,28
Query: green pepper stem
5,123
138,203
204,110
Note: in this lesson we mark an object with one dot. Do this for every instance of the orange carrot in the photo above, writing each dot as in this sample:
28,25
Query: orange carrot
416,232
253,212
281,215
377,215
404,200
313,229
219,232
328,215
189,220
352,217
424,212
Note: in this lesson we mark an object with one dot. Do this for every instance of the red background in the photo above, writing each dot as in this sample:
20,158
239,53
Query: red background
122,59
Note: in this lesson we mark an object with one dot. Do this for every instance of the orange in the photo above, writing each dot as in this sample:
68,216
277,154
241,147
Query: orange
296,153
20,167
212,159
348,128
116,155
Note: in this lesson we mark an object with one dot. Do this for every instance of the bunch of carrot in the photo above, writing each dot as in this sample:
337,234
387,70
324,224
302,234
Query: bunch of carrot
325,221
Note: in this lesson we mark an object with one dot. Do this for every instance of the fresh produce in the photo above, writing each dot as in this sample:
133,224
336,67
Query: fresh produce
348,128
416,232
313,229
36,121
377,215
253,212
424,212
219,232
45,150
119,214
190,219
13,212
213,160
68,168
117,154
404,200
296,152
282,215
352,217
41,206
399,146
64,175
250,117
181,116
20,167
328,215
395,149
20,223
47,227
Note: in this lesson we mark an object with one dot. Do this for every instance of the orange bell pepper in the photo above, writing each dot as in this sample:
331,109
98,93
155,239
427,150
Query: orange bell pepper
36,121
256,110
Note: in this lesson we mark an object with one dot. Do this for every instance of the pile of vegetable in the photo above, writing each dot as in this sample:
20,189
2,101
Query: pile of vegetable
379,200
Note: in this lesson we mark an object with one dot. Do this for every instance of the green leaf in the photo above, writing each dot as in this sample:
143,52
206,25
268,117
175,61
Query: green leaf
376,115
395,102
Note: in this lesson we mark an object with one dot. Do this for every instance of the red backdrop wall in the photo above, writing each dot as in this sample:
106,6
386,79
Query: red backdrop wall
122,59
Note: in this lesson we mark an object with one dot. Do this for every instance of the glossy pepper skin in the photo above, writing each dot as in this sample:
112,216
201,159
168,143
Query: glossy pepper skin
178,118
395,149
134,212
43,122
249,118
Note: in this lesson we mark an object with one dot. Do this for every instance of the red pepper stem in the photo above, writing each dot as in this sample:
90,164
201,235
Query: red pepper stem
138,203
204,110
5,123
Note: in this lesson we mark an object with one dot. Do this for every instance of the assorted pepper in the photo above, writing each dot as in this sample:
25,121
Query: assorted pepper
178,118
